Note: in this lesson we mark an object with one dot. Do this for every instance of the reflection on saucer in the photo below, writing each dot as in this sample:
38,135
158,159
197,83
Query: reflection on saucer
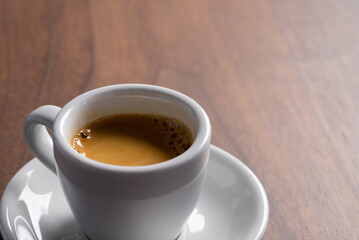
233,205
196,222
36,205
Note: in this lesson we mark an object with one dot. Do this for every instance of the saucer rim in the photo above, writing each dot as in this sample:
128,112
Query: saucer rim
229,157
262,192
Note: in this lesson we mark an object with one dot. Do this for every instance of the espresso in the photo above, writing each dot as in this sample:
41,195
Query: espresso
133,139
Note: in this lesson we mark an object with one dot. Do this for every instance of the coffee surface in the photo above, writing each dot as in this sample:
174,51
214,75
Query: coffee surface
133,139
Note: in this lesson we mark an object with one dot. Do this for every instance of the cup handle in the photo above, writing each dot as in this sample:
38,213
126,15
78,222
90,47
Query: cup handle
36,136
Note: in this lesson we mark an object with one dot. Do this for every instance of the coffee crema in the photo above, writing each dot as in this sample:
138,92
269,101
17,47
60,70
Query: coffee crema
133,139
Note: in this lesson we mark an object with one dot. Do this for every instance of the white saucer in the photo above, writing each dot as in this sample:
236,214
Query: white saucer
233,205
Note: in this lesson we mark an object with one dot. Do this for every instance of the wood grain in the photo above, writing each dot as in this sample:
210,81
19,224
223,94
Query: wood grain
279,80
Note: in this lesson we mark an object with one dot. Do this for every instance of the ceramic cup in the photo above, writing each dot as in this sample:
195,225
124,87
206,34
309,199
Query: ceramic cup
113,202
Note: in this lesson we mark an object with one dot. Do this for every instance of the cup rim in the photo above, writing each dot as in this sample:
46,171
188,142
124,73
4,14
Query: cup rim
198,146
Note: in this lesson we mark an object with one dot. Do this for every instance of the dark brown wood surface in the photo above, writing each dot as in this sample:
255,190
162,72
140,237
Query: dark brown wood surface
278,79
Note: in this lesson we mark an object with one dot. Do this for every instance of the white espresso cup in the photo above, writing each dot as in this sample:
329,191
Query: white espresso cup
113,202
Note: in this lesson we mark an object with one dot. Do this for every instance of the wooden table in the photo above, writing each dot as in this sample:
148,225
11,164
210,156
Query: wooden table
278,79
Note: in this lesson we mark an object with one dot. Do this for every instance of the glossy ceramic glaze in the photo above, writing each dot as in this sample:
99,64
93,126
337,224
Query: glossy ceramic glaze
233,205
112,202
